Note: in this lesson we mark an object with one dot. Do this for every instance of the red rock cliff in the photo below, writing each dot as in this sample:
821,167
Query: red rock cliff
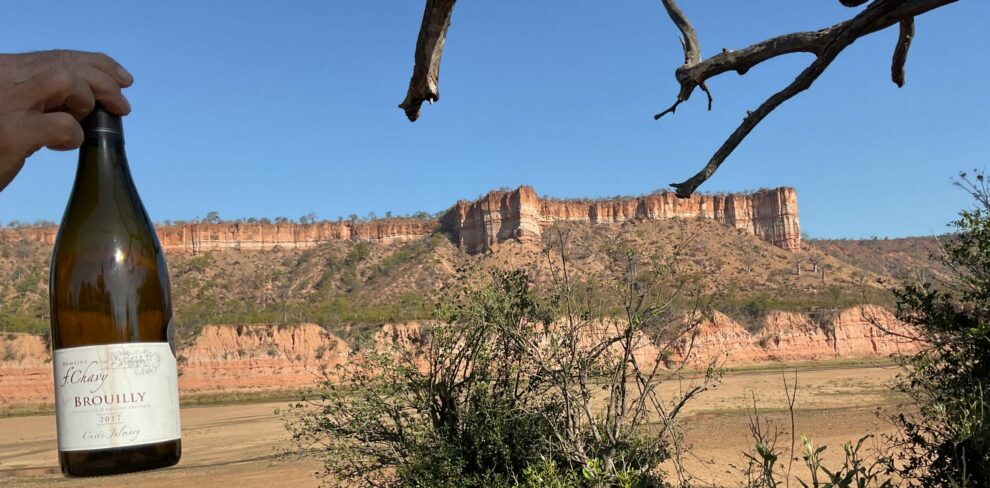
237,358
480,226
497,217
242,236
855,333
520,214
263,237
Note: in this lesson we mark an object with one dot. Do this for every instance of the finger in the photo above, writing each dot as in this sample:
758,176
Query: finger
56,89
23,133
106,90
62,89
107,65
8,170
56,130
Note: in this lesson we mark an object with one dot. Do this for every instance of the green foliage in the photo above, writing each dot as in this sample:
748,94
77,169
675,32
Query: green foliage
409,253
751,309
855,472
358,253
467,421
14,322
547,474
947,443
765,468
496,404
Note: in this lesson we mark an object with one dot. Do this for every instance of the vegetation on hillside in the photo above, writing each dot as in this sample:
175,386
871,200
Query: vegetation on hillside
343,283
520,388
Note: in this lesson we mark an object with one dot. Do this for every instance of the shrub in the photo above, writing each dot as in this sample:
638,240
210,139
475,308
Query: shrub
513,389
947,443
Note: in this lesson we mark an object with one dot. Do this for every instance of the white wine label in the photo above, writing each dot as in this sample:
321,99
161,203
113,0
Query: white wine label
115,395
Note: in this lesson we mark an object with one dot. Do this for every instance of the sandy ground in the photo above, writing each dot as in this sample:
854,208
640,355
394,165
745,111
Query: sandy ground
834,406
234,445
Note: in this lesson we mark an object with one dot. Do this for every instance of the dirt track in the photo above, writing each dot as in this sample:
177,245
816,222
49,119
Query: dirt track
233,446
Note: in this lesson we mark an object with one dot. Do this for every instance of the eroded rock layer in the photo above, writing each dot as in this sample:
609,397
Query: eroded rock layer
479,226
249,358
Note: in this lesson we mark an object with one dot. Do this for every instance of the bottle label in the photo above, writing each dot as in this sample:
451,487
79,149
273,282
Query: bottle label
115,395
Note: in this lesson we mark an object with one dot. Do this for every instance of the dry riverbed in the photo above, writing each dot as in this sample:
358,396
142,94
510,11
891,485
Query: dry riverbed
235,445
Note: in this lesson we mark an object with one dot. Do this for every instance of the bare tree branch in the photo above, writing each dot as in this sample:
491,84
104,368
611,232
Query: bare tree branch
801,83
689,38
424,86
825,44
901,51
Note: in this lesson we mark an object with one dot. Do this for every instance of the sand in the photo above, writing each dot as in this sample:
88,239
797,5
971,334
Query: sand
234,446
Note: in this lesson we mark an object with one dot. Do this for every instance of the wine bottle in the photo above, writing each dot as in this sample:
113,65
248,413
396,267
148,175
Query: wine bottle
116,389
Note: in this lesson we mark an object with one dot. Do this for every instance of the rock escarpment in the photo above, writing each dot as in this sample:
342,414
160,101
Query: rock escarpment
25,370
244,236
260,357
250,358
265,237
520,214
497,217
479,226
855,333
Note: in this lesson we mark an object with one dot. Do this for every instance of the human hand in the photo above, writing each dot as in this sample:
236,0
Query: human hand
44,95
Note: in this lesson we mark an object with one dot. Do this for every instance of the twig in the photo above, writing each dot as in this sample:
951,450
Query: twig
791,398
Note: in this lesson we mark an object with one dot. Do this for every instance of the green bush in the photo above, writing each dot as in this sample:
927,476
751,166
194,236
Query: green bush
947,443
512,388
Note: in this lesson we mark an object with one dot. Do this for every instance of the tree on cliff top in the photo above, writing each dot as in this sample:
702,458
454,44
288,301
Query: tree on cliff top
825,44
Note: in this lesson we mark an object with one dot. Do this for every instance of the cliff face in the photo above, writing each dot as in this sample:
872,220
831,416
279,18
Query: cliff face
264,237
480,226
241,236
497,217
855,333
239,358
25,371
519,214
260,357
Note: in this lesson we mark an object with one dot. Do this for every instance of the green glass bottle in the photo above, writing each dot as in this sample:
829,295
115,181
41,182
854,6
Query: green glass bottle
116,389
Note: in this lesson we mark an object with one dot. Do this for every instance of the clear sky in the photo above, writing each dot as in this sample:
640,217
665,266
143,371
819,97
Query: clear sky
266,109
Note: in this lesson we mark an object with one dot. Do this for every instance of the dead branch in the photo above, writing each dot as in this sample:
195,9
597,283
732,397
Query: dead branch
424,86
901,51
825,44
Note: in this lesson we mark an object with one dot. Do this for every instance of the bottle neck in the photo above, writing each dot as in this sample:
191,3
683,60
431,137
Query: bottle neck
103,179
104,201
101,157
102,160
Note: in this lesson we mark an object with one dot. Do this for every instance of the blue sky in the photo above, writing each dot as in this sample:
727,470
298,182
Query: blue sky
254,108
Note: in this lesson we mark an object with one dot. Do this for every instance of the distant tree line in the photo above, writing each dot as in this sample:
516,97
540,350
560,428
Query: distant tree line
213,217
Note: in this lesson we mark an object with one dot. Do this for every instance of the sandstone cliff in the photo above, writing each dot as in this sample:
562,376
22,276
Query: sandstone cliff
25,371
239,358
481,225
520,214
858,332
260,357
263,237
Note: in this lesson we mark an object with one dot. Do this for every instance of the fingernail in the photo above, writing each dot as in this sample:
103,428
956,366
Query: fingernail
125,75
